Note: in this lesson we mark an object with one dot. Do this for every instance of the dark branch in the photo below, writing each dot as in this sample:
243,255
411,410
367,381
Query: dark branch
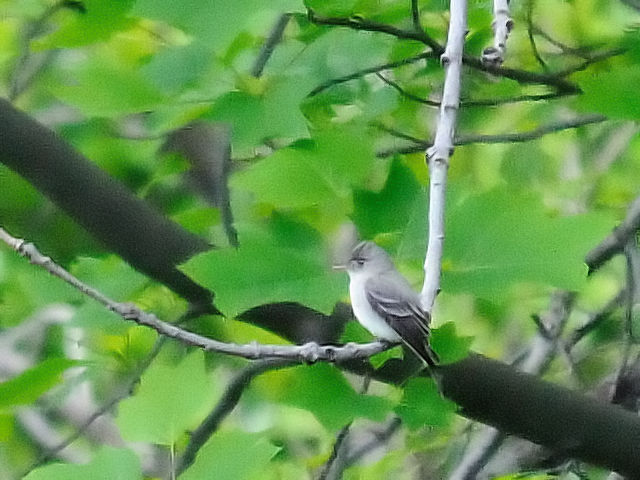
500,138
224,407
358,23
361,73
615,242
270,44
99,203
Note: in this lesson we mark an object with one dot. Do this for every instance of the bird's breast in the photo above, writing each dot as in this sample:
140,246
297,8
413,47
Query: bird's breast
368,317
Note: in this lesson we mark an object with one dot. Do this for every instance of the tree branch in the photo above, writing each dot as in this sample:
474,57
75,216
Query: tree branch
309,352
100,204
224,407
521,76
502,25
366,71
270,44
515,137
438,154
615,242
359,23
485,390
542,349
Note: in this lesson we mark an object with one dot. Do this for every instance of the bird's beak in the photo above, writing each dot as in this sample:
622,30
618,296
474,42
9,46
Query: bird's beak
339,268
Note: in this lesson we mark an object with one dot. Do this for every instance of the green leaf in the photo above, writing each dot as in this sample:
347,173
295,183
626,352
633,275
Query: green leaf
175,68
232,455
332,8
109,464
448,345
310,173
30,384
111,275
422,405
97,22
323,390
612,92
273,113
391,209
170,400
104,89
195,17
503,236
286,262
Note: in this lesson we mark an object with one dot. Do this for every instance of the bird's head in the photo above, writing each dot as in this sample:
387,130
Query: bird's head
367,257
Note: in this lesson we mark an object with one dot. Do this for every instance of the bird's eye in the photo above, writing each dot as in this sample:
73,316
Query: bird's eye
360,261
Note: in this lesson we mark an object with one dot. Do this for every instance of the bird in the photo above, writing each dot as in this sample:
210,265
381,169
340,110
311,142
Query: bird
384,302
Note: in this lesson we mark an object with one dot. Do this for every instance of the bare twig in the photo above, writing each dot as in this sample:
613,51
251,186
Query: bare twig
307,353
367,71
438,154
521,76
380,439
614,243
488,102
224,407
502,25
270,44
532,40
326,473
594,320
515,137
594,58
358,23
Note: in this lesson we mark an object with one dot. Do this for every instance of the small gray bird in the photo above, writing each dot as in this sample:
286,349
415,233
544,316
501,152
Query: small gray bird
384,302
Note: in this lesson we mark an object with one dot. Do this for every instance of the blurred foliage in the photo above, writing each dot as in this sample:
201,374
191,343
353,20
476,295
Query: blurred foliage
113,78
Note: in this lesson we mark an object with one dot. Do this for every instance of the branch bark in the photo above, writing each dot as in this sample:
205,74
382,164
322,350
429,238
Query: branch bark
486,390
99,203
438,155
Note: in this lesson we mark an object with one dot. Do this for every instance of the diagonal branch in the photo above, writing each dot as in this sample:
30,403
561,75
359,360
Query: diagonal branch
224,407
614,243
366,71
515,137
309,352
438,154
359,23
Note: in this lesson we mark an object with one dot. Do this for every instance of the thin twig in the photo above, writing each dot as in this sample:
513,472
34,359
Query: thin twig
516,137
596,57
406,94
380,439
521,76
307,353
532,40
614,243
335,452
367,71
270,44
224,407
359,23
488,102
595,319
438,154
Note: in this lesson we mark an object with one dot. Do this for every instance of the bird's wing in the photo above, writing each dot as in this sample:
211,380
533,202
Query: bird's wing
393,299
